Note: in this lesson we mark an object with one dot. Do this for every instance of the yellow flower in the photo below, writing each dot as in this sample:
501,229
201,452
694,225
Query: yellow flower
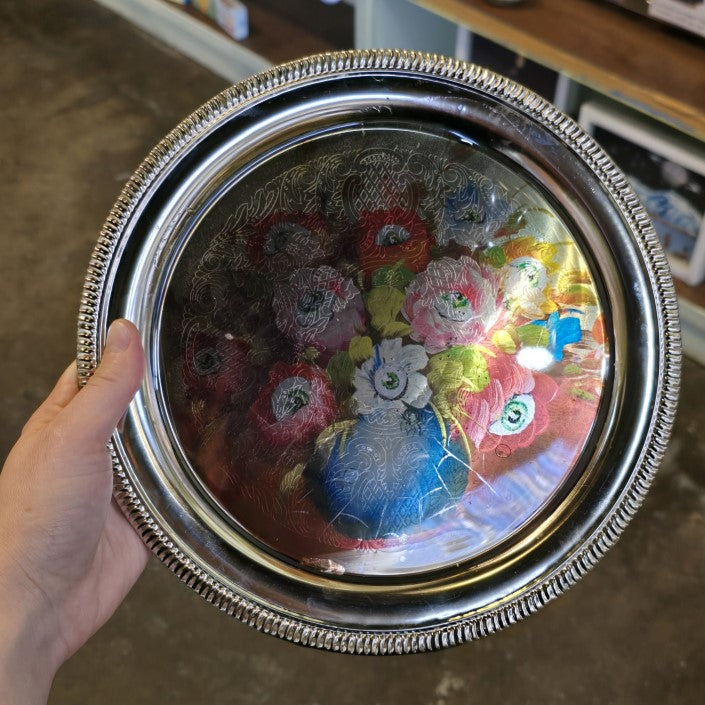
528,246
575,288
533,270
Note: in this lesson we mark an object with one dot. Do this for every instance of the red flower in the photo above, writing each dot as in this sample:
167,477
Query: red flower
215,366
284,242
511,410
392,236
296,404
524,416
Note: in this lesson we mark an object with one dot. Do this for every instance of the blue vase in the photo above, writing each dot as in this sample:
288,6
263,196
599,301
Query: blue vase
389,472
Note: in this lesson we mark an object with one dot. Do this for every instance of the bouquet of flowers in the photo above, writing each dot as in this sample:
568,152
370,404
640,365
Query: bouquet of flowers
376,376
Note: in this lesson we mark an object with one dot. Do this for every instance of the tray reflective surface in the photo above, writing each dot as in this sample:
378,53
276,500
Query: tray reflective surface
383,350
412,351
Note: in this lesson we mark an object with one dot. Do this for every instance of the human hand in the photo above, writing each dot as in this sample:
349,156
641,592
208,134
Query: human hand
68,556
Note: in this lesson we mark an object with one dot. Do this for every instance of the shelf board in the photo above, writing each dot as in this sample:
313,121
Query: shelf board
272,36
691,304
199,41
651,67
693,294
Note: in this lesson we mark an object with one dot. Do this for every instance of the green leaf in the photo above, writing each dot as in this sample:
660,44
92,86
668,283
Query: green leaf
310,354
515,222
579,393
494,256
395,329
503,340
384,305
460,366
360,348
396,275
533,336
341,369
476,376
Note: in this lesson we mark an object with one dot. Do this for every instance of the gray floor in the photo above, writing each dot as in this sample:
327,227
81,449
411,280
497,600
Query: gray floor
83,96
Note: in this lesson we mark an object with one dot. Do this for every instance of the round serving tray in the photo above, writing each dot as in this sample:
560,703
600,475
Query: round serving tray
412,351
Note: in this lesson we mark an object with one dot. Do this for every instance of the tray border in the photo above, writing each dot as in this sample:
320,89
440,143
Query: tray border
310,633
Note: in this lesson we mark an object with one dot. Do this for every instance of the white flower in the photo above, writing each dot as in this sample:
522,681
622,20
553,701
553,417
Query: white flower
390,378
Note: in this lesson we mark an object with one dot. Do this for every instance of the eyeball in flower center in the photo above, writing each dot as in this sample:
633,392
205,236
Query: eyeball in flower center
454,306
526,273
390,235
290,395
207,362
469,214
286,237
390,381
314,306
517,414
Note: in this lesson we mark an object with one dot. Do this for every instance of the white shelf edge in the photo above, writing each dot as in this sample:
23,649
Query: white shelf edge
692,330
198,41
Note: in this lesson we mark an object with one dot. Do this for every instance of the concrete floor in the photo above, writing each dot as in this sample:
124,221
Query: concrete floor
83,98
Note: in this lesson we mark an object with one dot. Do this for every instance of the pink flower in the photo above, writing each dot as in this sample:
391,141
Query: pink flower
296,404
319,308
453,302
510,410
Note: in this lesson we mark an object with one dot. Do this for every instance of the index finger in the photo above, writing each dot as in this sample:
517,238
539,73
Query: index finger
63,392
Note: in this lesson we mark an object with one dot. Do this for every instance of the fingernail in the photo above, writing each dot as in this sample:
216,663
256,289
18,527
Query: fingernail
118,337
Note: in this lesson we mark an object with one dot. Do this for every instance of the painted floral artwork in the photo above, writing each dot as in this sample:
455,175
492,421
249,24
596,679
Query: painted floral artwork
386,358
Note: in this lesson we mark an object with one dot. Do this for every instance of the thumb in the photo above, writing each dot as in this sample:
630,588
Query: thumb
93,414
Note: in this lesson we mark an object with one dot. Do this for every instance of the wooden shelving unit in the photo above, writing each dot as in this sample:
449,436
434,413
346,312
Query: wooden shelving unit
202,42
273,37
650,67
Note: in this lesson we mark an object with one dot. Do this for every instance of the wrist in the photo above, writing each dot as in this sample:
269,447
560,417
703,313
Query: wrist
28,663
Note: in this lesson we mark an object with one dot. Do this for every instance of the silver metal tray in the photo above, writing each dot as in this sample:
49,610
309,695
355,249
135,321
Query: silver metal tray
412,351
